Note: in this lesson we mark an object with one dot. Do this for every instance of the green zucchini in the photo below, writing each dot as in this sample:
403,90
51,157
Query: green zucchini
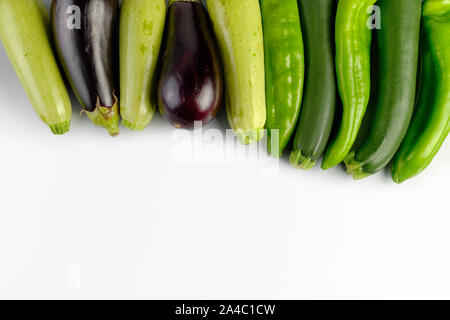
141,30
395,77
25,34
320,92
238,28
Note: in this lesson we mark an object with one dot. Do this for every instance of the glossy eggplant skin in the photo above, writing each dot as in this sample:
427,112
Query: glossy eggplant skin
190,86
87,53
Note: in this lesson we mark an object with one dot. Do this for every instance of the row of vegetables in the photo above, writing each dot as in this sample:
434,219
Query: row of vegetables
360,82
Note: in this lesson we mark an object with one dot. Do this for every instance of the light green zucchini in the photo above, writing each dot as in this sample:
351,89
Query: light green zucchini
25,34
141,31
238,28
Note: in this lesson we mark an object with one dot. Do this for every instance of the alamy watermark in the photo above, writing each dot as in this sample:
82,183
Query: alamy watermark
214,148
374,21
74,17
73,278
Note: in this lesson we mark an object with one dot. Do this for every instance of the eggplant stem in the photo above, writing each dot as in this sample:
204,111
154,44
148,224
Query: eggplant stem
106,117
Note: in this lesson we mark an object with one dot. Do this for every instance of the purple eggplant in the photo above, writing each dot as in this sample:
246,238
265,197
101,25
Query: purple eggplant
190,86
85,33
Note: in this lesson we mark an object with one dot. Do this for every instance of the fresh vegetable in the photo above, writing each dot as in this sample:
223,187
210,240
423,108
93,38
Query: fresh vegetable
85,34
431,122
396,57
238,28
25,34
141,30
319,96
353,42
190,86
284,59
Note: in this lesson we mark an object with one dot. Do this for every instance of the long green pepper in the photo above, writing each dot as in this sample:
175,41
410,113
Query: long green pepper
431,121
353,44
284,69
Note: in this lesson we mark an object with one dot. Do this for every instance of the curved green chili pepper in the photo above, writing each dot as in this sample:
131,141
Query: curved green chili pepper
353,42
431,122
284,61
395,57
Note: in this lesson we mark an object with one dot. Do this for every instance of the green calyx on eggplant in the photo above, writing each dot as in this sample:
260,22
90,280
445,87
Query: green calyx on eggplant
190,86
85,33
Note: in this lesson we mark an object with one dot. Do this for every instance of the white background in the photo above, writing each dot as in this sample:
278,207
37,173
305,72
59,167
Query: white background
88,216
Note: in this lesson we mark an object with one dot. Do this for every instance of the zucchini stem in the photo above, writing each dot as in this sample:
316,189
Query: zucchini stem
60,128
299,161
354,167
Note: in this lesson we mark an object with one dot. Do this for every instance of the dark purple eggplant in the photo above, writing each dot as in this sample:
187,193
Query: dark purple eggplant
190,85
85,33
